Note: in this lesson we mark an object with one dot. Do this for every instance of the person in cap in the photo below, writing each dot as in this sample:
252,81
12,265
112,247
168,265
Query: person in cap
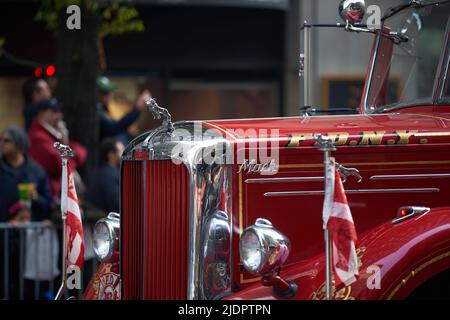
34,90
16,167
108,126
47,128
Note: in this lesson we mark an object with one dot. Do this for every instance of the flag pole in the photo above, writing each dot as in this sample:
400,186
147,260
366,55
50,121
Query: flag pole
66,153
326,146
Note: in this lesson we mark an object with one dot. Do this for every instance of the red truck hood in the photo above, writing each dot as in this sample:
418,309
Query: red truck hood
426,123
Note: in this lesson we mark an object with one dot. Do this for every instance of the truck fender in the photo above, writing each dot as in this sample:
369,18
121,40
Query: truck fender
394,260
397,258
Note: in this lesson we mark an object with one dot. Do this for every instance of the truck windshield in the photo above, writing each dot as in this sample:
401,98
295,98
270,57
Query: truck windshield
410,75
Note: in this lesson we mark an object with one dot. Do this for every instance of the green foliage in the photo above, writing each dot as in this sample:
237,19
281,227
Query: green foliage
50,9
119,19
117,16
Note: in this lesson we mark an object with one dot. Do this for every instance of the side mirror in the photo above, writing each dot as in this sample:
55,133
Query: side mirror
352,11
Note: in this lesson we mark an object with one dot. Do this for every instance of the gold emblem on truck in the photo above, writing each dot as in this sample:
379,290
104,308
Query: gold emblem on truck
365,138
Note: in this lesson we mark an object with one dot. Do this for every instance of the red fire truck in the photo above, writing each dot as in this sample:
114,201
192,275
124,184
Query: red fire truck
207,213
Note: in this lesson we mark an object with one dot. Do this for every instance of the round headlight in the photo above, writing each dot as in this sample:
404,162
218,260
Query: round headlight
106,236
251,255
263,248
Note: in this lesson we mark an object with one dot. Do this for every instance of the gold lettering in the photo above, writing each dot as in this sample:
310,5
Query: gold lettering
342,138
372,138
367,138
405,135
338,138
296,139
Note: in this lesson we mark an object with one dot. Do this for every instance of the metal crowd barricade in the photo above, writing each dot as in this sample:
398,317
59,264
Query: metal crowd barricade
29,259
13,261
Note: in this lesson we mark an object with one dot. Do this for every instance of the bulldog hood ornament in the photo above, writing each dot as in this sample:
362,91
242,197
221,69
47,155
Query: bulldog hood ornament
159,112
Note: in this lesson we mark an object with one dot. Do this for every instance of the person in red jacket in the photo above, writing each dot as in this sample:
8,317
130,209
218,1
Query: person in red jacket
46,129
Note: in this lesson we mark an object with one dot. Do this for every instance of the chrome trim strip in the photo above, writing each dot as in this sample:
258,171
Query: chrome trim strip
410,176
345,172
221,121
357,191
293,193
192,287
281,180
415,212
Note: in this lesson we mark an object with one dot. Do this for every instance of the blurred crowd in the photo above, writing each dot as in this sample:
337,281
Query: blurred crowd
30,168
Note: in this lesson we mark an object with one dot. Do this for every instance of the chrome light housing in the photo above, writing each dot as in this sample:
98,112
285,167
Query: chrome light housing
352,11
263,249
106,236
216,241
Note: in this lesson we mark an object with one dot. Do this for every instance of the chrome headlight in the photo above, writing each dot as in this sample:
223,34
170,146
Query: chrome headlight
106,236
263,248
352,11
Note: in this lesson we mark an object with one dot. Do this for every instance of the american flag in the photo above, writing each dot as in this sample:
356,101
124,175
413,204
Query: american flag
339,222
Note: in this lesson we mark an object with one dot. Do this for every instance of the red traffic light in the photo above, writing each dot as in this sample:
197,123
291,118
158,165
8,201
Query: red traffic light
50,71
38,72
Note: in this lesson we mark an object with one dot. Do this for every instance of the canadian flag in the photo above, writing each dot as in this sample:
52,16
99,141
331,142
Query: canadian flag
339,222
74,227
